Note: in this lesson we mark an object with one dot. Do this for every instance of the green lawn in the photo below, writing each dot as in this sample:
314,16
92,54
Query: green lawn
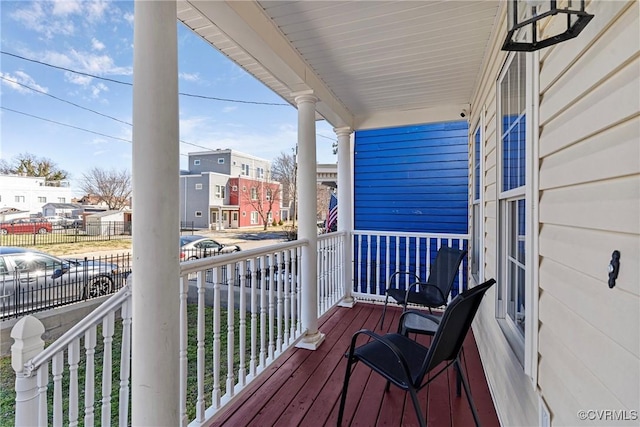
7,377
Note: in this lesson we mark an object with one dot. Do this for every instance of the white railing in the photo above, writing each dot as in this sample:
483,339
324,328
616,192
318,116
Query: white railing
238,313
234,345
377,255
331,259
33,401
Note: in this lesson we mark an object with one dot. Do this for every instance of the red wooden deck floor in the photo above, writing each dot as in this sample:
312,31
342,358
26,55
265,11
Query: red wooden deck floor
302,388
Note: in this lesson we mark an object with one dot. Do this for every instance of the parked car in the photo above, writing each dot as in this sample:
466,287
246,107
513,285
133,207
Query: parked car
75,221
195,247
56,220
31,279
26,226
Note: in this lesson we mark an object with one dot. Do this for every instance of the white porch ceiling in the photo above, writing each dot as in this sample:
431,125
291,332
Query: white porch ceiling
371,63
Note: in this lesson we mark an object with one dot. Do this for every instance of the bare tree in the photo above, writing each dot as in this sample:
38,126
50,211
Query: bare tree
262,196
283,170
31,165
110,186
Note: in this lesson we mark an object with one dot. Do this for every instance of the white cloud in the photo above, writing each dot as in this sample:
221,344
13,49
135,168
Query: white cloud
128,17
229,109
97,89
23,78
190,77
78,79
97,44
66,7
86,62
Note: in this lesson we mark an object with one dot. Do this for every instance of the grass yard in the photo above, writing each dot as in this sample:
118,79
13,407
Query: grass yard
7,376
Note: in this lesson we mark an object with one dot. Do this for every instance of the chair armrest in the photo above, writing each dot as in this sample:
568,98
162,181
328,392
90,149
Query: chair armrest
406,297
390,280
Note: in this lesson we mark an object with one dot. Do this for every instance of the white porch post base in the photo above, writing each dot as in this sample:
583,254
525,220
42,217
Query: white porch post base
347,302
311,341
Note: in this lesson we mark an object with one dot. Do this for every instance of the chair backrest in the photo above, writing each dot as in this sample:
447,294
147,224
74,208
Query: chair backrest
444,270
454,325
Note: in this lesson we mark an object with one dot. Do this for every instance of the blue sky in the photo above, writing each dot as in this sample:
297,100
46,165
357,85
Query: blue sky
96,37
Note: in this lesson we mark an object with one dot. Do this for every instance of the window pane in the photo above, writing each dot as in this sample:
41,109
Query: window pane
476,166
516,262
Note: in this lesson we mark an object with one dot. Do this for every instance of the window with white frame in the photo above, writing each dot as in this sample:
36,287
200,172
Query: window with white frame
512,305
196,162
245,169
198,186
220,191
254,217
234,188
19,199
221,160
254,193
42,199
62,200
260,172
198,214
477,245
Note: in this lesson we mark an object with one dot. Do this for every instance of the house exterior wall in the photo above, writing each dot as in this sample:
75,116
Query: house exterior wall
229,162
240,195
589,207
194,201
31,193
588,194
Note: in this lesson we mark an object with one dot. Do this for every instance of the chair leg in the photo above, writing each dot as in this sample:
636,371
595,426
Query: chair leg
343,398
416,406
384,310
467,391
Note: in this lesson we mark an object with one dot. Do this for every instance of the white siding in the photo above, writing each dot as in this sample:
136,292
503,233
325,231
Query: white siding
589,337
589,205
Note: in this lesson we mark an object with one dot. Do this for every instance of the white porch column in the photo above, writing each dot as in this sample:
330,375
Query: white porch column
155,323
345,216
307,228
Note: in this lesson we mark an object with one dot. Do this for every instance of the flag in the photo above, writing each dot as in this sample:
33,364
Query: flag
332,216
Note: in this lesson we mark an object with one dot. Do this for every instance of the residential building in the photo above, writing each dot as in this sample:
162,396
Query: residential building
30,194
227,189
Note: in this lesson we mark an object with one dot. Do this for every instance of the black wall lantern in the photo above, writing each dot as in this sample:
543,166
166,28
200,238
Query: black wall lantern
528,19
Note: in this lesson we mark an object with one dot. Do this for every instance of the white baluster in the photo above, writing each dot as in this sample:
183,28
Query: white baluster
216,392
417,270
272,285
107,367
280,284
287,296
42,381
200,404
125,364
377,270
263,311
243,324
73,357
254,318
89,379
293,285
230,331
182,352
57,366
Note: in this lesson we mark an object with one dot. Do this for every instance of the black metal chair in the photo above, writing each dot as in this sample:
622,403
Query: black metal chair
434,292
406,363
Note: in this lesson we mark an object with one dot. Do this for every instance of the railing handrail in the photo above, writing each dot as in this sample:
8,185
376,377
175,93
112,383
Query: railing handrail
195,265
113,303
407,234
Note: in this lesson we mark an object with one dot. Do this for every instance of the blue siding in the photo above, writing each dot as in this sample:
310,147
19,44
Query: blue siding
412,178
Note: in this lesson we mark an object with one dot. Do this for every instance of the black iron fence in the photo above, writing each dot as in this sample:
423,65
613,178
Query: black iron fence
34,283
70,233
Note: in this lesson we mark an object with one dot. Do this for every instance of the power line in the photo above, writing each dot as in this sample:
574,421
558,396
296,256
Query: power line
88,109
213,98
64,124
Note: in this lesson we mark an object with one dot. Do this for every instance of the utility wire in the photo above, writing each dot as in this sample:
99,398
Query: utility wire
70,126
88,109
213,98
